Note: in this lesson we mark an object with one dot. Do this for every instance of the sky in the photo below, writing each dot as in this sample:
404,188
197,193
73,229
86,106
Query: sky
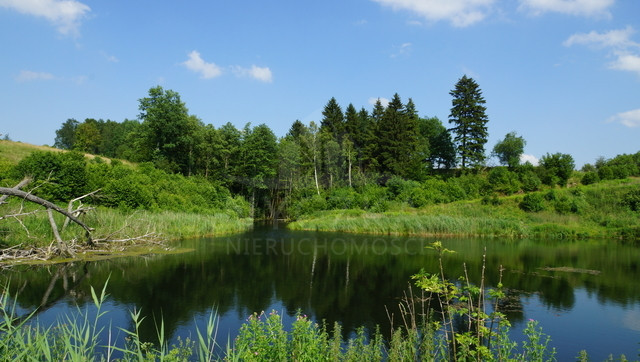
563,74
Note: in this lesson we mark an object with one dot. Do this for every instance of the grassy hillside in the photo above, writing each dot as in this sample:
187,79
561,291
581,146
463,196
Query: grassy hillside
594,211
133,200
12,152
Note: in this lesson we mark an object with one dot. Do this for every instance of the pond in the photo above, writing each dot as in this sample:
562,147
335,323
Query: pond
586,294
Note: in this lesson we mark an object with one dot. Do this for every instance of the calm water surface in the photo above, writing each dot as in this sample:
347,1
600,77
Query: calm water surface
585,294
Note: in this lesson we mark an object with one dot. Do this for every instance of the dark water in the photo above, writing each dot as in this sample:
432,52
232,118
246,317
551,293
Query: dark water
593,303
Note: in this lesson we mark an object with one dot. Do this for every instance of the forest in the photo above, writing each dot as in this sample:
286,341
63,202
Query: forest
372,160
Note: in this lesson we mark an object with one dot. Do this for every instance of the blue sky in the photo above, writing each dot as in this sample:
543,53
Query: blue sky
564,74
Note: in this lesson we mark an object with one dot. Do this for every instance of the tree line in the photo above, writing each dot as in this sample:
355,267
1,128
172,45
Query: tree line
350,148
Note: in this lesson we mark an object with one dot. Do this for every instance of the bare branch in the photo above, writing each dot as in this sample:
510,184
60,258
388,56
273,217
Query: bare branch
45,203
20,185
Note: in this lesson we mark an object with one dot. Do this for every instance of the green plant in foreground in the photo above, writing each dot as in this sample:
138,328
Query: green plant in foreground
485,335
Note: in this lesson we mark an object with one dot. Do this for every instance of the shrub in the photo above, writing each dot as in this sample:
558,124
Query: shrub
61,176
590,178
343,198
562,205
529,180
632,200
374,198
532,202
504,181
556,169
605,173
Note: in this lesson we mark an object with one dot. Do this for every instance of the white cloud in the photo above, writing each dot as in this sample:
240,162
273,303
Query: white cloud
383,101
618,43
206,70
628,62
262,74
460,13
569,7
611,39
403,49
630,119
28,76
197,64
529,158
66,15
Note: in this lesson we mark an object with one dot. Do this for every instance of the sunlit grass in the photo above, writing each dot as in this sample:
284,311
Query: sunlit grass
35,230
593,211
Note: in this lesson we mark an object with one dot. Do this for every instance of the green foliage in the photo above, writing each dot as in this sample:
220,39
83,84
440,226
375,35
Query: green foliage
533,202
66,135
556,169
400,148
504,181
470,332
168,131
590,178
468,114
442,152
632,200
343,198
529,180
60,176
510,149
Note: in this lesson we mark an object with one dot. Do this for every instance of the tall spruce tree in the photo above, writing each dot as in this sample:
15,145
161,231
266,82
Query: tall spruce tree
333,120
398,140
470,120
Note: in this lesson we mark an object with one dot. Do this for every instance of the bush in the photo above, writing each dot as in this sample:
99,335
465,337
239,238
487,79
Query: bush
132,191
61,176
343,198
504,181
307,206
605,173
562,205
632,200
556,169
590,178
530,181
532,202
374,198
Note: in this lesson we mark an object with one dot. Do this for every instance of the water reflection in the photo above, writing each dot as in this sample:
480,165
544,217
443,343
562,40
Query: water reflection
330,276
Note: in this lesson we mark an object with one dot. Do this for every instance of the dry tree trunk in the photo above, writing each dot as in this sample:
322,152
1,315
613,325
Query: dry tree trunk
15,191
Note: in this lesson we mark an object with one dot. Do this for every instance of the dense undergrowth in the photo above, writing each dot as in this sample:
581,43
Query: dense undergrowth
599,210
132,200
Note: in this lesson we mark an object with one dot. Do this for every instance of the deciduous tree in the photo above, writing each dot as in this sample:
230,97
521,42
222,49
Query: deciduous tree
510,149
66,135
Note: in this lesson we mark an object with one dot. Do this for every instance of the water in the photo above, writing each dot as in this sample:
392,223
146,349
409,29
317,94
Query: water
585,294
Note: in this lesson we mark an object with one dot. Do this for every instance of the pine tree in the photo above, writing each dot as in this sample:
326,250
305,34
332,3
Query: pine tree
333,120
469,117
398,140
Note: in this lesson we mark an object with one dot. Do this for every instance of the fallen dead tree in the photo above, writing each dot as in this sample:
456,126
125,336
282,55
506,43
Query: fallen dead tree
50,207
62,248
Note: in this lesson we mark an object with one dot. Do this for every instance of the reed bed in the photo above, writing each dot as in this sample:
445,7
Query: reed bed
594,211
33,230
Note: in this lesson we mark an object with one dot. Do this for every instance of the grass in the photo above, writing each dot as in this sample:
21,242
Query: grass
113,224
12,152
593,211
